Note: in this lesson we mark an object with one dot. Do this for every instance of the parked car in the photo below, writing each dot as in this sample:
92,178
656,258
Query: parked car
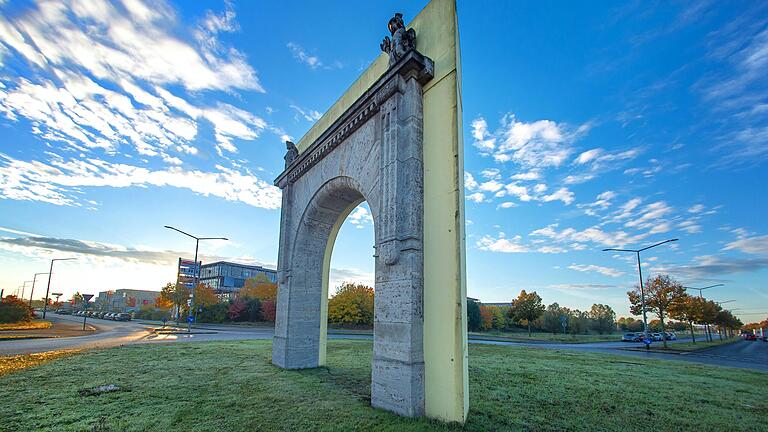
671,336
109,316
750,337
656,336
123,317
631,337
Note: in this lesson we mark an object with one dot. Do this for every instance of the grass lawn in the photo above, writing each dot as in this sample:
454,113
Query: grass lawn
700,344
31,325
231,386
548,337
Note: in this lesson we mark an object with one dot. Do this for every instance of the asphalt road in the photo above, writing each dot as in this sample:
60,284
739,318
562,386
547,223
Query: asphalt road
742,354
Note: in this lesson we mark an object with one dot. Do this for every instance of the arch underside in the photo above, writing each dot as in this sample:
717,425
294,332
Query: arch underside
378,160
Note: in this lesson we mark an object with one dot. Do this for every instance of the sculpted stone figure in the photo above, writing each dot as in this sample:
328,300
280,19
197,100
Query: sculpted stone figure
402,40
291,154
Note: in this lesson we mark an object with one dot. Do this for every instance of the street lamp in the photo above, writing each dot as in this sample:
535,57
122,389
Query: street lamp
24,288
50,276
640,272
197,269
709,335
34,279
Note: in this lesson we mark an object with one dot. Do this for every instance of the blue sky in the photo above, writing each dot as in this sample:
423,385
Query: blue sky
585,127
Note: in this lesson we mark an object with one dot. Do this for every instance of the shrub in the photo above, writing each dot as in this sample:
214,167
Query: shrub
14,309
215,313
268,310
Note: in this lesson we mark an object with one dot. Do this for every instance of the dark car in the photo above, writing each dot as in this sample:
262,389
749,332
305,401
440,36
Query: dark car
750,337
123,317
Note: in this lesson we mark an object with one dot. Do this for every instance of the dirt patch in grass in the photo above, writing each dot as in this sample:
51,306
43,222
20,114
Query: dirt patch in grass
232,386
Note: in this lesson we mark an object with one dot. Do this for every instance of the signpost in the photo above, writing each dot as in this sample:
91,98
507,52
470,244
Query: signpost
86,299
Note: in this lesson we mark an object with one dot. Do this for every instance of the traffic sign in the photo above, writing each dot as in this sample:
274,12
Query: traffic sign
87,297
647,341
190,319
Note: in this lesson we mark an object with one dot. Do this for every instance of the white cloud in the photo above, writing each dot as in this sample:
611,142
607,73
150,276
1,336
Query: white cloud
507,204
491,186
501,244
309,115
592,234
578,179
562,194
469,181
301,55
130,50
477,197
491,173
698,208
59,181
538,144
540,188
527,176
360,216
482,139
757,245
596,268
588,156
521,192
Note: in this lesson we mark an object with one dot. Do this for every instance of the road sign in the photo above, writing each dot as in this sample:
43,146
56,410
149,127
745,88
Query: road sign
87,297
647,341
190,319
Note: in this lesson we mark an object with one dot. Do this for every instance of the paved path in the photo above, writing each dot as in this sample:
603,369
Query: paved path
742,354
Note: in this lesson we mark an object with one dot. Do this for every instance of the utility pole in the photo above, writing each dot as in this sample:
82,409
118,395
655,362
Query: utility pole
706,326
190,317
640,273
50,276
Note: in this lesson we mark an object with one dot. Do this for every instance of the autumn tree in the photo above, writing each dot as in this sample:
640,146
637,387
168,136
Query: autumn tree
259,287
205,296
76,299
709,311
661,292
14,309
176,294
268,310
352,305
603,318
165,299
527,308
687,308
486,318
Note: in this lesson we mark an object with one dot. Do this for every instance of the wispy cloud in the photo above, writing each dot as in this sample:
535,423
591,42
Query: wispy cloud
596,268
55,182
301,55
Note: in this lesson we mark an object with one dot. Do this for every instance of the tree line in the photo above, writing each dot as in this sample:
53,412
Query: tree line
527,311
667,298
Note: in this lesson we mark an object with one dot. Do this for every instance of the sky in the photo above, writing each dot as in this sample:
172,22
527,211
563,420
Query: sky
586,126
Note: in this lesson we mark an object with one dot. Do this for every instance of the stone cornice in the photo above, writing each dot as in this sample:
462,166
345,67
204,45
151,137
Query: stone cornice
413,64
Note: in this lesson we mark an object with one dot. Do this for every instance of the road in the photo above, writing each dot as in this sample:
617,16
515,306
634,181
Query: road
742,354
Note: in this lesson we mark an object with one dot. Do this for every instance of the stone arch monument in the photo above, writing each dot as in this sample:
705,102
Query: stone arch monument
381,143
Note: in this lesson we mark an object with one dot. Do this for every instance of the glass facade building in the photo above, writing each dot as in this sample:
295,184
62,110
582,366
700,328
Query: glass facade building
226,277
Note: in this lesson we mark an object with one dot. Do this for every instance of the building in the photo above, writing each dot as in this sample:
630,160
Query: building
125,300
226,277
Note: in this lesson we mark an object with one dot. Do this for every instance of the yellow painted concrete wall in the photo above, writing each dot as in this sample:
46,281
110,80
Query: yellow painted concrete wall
445,336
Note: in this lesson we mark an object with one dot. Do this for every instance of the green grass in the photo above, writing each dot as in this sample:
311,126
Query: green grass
27,325
231,386
700,344
547,337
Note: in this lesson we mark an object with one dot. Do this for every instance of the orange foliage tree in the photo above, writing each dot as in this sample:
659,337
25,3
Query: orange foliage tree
486,318
352,305
259,287
205,296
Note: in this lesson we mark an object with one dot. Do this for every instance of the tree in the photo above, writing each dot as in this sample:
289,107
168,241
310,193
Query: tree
630,324
76,299
176,294
578,322
474,319
709,312
486,318
527,307
689,309
268,310
259,287
352,305
660,293
550,319
14,309
165,299
603,318
236,309
205,296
